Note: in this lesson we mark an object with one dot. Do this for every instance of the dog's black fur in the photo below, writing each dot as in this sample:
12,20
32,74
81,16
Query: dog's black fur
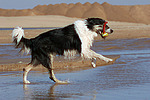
54,41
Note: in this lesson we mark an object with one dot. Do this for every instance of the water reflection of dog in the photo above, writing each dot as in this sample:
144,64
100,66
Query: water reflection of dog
72,39
49,94
52,93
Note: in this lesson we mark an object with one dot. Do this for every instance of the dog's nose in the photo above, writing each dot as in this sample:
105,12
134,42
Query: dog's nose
111,31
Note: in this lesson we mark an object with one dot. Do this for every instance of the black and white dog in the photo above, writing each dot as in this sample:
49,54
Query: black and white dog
75,38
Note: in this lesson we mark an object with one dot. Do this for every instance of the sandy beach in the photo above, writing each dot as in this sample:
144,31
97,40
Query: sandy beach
122,30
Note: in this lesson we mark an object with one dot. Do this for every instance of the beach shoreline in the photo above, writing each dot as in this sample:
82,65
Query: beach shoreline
122,30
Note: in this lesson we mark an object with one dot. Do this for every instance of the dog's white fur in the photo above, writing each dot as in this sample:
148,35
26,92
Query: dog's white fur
87,37
17,34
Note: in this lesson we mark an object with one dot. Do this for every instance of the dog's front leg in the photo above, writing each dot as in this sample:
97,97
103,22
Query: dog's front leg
96,55
88,53
93,62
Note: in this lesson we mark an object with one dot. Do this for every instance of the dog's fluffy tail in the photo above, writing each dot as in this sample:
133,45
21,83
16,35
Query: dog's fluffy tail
20,41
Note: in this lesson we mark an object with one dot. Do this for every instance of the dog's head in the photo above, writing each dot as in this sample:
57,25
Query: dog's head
99,26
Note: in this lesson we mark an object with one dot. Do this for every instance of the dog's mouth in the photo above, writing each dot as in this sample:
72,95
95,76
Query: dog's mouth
105,31
102,34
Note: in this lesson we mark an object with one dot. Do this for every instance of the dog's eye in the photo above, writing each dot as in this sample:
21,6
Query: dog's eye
107,27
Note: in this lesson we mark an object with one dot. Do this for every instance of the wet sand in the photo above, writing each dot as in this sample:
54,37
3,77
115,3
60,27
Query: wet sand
60,64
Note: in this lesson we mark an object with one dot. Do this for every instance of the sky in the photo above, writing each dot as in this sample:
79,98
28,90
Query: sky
29,4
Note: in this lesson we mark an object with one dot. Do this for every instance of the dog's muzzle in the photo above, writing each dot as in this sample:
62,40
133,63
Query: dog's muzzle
104,33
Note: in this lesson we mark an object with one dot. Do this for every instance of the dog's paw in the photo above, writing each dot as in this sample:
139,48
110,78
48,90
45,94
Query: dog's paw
93,64
108,60
26,82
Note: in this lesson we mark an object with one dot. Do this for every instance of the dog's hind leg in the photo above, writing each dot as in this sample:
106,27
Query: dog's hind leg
25,73
51,72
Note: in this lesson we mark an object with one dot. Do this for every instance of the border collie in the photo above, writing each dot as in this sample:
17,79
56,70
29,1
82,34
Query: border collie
75,38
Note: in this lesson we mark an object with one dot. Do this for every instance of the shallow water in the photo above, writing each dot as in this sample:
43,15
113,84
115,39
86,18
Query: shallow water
8,51
127,79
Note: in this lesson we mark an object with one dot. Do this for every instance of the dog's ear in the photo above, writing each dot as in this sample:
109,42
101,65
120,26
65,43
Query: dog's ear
90,23
90,20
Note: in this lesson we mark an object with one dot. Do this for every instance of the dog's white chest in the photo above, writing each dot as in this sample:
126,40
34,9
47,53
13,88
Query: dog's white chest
86,36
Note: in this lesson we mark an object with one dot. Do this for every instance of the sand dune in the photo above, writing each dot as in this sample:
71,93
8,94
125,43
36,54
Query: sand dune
134,13
76,11
95,10
14,12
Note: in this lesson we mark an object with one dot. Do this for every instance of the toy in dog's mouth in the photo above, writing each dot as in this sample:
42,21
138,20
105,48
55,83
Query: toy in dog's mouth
103,33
